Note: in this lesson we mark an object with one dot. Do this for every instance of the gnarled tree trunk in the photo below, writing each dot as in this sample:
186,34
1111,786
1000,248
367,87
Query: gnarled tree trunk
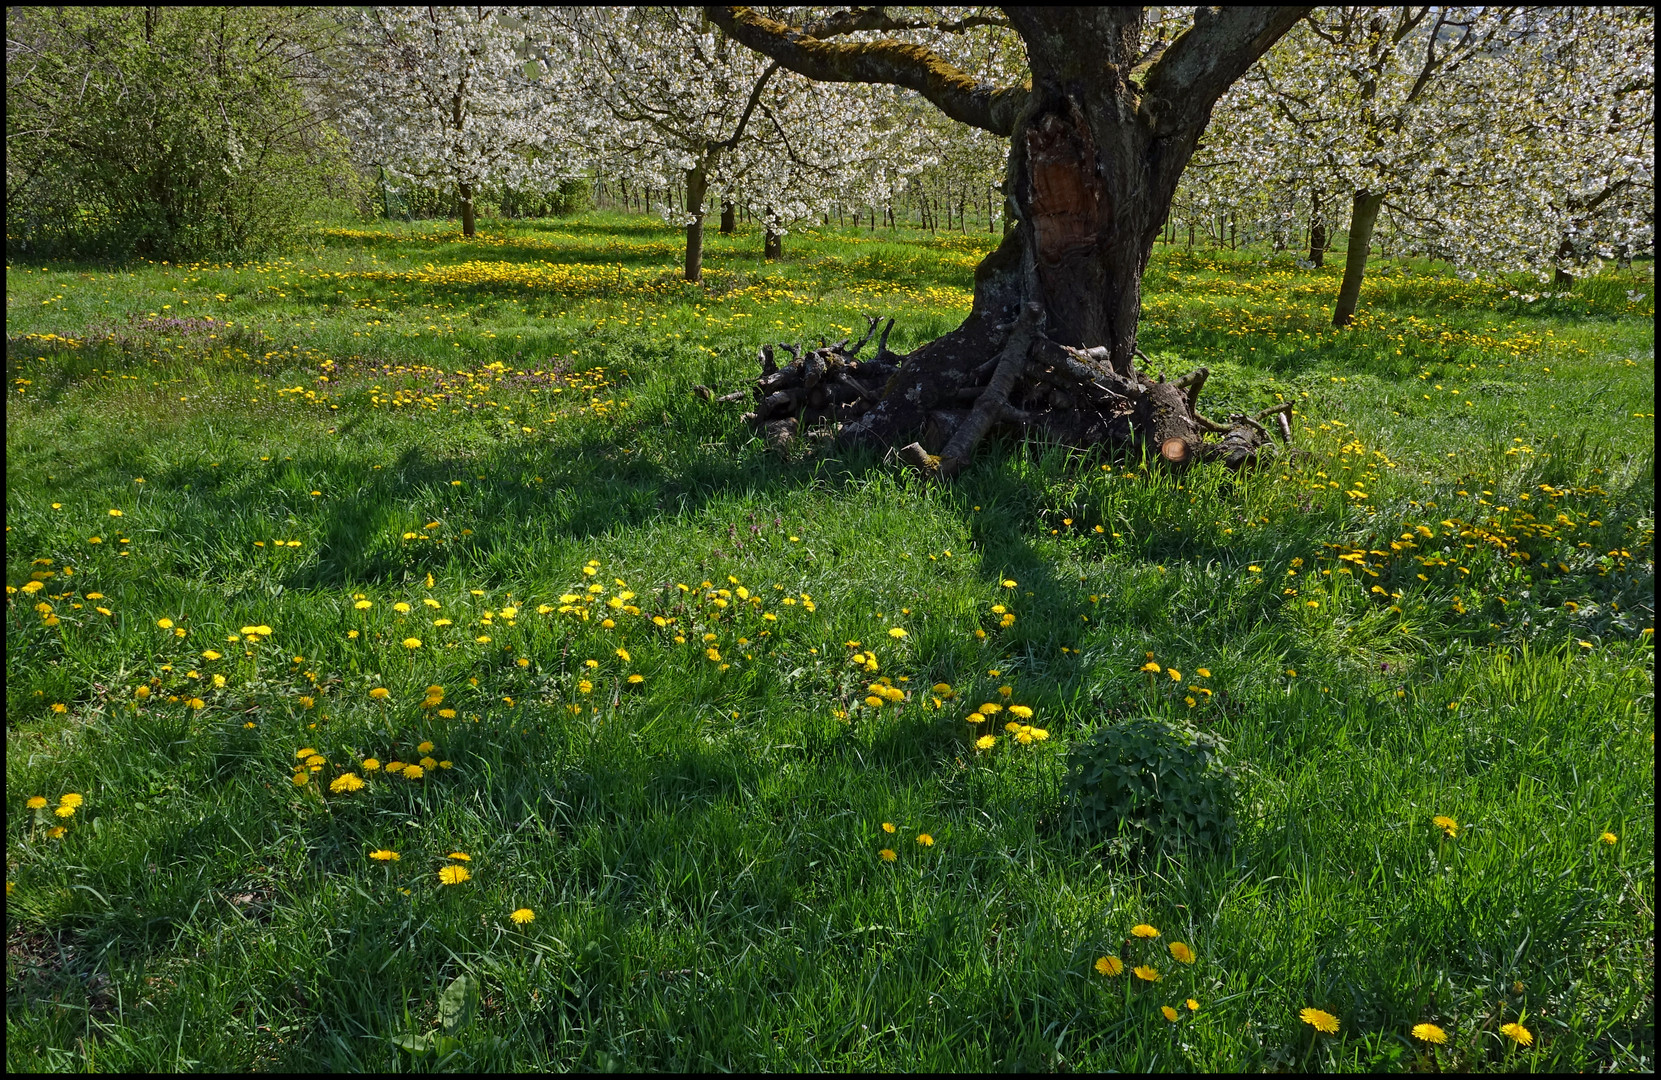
1097,145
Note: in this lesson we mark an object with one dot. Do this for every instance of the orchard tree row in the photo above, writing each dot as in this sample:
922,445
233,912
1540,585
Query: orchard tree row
1495,138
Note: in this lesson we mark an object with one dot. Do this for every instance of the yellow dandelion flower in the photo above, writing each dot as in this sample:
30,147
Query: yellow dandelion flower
460,855
37,802
379,693
523,916
412,643
1204,673
623,655
874,701
1446,824
1182,952
1193,1006
371,764
1170,1013
384,856
985,742
364,605
887,855
453,875
56,832
887,826
896,633
1320,1020
301,779
1110,965
165,624
636,679
1143,930
1152,668
346,782
1430,1033
429,764
1146,974
395,766
141,692
71,799
1022,711
925,839
414,772
1608,838
1517,1034
424,748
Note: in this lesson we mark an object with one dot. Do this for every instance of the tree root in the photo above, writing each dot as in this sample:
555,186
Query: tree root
1069,394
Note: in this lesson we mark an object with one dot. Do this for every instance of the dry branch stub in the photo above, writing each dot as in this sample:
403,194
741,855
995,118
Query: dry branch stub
1028,383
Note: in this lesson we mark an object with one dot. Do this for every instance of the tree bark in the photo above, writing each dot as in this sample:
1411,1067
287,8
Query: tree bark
697,185
1363,216
468,220
729,219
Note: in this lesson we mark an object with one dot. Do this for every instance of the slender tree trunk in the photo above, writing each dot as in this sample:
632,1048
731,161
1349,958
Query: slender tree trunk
697,184
467,217
729,218
773,245
1317,231
1363,216
1561,278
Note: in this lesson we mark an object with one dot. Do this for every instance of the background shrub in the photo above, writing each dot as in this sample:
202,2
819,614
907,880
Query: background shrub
164,132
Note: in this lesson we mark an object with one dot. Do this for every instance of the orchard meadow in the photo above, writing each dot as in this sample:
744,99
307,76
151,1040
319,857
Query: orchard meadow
406,669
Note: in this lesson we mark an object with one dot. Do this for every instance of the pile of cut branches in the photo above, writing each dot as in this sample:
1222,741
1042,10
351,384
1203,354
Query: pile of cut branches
1070,395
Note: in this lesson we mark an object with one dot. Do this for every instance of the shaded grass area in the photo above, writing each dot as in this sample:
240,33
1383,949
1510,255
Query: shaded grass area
1443,610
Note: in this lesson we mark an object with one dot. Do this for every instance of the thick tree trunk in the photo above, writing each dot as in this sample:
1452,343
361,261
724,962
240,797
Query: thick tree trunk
1098,141
468,221
1363,216
697,185
729,219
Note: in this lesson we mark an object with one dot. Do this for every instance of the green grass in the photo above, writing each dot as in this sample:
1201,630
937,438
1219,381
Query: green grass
1443,610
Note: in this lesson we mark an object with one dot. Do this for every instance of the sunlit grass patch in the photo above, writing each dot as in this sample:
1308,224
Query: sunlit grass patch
414,548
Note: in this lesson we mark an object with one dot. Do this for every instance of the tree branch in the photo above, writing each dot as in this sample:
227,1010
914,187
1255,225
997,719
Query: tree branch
749,107
898,63
1194,72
